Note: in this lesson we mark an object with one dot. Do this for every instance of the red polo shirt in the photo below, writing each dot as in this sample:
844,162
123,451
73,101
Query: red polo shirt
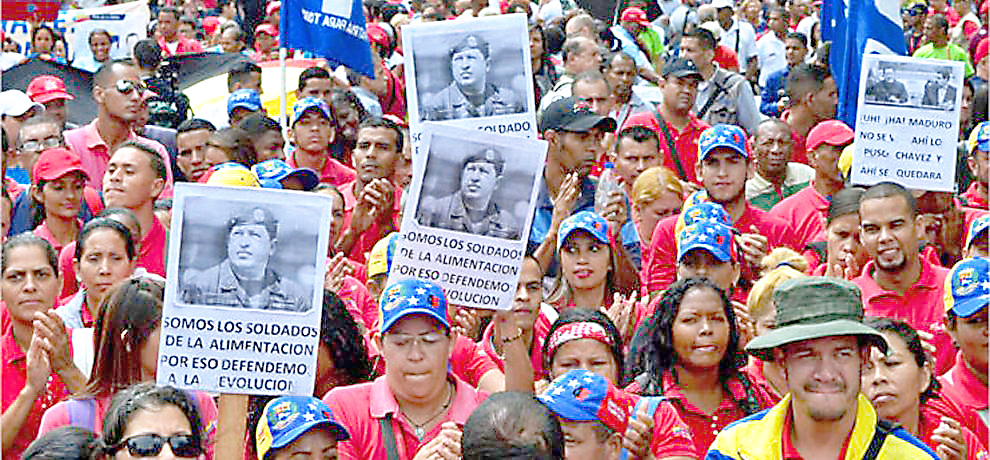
705,427
921,306
46,234
94,154
660,260
369,237
334,172
930,420
965,391
14,378
685,142
360,409
973,198
806,211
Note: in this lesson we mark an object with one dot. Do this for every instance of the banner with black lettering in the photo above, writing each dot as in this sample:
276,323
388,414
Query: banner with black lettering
908,122
467,214
245,290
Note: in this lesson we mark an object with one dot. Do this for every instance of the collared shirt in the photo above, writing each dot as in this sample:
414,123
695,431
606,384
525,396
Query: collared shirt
14,378
219,286
541,326
772,91
685,142
334,172
361,409
930,419
741,38
806,210
921,306
375,232
765,436
450,213
961,387
635,105
770,55
450,103
764,195
94,154
46,234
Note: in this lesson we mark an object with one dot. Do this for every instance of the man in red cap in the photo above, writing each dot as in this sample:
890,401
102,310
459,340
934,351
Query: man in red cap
265,43
640,41
806,210
50,91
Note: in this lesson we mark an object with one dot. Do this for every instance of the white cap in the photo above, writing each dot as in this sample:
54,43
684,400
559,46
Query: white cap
15,103
714,28
719,4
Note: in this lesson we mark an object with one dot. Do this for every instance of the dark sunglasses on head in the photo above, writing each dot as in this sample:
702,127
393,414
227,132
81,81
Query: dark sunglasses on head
126,86
150,445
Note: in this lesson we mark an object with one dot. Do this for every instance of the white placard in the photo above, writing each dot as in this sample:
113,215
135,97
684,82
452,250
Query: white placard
461,173
435,75
245,292
908,122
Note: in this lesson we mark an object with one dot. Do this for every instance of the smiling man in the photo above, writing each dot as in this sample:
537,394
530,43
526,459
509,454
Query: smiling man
472,207
470,94
245,278
822,346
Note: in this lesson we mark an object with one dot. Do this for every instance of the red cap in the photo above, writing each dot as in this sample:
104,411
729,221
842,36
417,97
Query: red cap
377,34
266,28
47,88
983,8
831,132
210,24
55,163
981,51
634,14
273,7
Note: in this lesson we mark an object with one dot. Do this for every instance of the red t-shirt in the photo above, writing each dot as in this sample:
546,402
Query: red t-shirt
369,237
930,420
965,391
151,257
334,172
671,436
686,143
14,378
360,409
806,211
921,306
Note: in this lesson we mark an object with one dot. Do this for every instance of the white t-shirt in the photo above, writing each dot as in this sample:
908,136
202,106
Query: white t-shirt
770,55
741,38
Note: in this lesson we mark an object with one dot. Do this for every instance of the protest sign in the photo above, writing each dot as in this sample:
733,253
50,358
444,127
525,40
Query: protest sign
908,122
244,298
472,74
333,29
467,216
126,23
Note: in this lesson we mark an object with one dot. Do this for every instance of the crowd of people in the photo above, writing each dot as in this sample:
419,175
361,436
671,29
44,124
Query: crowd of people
734,297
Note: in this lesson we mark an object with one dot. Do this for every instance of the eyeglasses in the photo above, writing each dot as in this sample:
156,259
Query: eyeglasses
406,342
126,86
46,143
150,445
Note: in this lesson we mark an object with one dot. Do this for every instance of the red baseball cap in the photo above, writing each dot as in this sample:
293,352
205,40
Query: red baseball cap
981,50
377,34
45,88
266,28
55,163
273,7
831,132
634,14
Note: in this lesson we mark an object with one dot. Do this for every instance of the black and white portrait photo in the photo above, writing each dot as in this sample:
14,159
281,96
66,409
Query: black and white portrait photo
475,72
915,83
248,255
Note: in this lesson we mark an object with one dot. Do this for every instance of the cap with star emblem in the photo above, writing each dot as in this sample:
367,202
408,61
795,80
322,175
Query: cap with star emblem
588,221
583,396
286,418
411,297
967,288
712,237
726,136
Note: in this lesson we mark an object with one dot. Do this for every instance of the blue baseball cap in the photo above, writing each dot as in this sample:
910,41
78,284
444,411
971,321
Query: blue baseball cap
730,136
271,173
588,221
696,210
244,98
714,238
967,288
310,103
286,418
409,297
583,396
979,139
976,228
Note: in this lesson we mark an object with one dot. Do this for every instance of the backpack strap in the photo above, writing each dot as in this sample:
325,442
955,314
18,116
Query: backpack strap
82,413
719,89
883,429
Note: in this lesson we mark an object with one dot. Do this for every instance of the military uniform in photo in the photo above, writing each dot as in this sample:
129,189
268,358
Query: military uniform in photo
470,94
886,89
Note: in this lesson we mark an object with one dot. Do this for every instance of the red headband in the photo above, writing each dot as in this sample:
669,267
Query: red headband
575,331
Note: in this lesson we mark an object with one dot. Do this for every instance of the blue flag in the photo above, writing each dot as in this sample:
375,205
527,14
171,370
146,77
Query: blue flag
856,28
332,29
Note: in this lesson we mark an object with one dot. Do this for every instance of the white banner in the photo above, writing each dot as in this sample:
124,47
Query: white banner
245,294
908,122
126,23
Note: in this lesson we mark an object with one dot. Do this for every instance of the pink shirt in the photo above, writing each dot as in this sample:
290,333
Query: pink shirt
540,329
360,408
334,172
151,257
921,306
963,389
46,234
358,302
366,240
94,153
806,211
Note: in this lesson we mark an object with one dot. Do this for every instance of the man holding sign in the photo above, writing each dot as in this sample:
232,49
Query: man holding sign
244,279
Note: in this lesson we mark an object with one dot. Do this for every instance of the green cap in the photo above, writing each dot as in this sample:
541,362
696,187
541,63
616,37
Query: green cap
814,307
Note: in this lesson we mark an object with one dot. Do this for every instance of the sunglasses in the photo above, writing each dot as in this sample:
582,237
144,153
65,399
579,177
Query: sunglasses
126,86
150,445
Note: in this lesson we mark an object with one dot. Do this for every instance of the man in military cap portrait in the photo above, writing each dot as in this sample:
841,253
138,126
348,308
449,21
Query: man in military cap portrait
470,94
472,207
245,278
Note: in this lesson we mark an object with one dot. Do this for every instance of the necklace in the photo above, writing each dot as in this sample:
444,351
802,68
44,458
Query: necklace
418,428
